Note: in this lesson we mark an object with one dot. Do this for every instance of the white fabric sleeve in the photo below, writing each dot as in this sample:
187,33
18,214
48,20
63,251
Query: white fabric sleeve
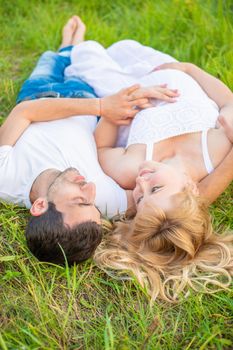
91,62
137,59
117,203
119,66
4,152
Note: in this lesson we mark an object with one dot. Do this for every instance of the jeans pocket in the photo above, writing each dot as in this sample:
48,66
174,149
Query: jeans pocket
48,94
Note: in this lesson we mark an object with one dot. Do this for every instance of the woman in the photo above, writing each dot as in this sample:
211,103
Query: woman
169,244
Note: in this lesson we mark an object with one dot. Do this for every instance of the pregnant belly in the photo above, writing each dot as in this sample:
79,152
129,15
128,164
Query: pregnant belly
187,86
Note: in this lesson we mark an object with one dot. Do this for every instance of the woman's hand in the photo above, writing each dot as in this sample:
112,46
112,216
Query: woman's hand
214,88
159,92
183,66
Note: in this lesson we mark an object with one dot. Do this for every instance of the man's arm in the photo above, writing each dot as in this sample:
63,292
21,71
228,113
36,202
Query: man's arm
115,108
42,110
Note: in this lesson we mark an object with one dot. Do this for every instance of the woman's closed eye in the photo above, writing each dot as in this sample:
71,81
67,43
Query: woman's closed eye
155,188
139,200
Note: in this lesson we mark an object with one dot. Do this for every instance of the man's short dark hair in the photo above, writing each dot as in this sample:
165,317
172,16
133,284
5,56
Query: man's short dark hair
46,234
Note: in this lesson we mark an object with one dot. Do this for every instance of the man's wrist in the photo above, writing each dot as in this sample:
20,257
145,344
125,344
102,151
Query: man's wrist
96,106
100,107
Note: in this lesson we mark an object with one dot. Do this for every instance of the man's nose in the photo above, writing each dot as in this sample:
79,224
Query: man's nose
89,191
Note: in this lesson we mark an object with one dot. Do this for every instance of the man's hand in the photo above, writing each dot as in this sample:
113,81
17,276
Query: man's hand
122,107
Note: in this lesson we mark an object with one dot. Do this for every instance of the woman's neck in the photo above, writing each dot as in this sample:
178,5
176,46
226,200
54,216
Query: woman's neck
185,165
183,152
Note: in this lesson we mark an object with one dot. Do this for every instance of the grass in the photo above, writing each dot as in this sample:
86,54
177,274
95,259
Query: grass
43,306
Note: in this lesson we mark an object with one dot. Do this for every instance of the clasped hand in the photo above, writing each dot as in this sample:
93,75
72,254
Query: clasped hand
122,107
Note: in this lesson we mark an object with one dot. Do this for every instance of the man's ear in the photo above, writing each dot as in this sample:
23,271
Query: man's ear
39,207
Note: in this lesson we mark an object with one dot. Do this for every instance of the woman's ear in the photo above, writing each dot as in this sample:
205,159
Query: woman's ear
39,207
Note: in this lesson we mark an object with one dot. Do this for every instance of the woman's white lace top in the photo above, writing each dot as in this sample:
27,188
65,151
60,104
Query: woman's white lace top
194,111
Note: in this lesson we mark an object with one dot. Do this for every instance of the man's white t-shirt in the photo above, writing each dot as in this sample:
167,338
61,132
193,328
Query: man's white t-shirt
58,145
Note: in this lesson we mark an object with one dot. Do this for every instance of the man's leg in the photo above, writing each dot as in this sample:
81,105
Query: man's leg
49,70
73,86
47,79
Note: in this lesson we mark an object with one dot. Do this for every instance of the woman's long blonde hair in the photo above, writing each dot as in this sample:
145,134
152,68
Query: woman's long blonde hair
170,252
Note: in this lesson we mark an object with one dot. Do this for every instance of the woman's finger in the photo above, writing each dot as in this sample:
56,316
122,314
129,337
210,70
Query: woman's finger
158,91
131,89
146,105
165,97
124,121
171,93
138,102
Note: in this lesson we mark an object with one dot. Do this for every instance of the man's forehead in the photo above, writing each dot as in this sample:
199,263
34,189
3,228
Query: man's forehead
81,214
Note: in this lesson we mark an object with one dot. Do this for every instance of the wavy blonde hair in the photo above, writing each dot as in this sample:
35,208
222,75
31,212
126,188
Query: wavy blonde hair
170,252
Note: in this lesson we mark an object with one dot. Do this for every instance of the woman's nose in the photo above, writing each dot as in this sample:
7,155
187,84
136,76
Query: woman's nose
141,182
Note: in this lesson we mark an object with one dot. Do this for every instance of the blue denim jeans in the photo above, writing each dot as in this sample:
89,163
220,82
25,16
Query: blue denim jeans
47,79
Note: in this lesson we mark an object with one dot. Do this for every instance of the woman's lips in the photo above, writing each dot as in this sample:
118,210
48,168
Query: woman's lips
145,171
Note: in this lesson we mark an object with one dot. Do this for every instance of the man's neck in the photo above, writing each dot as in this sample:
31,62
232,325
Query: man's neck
130,201
42,183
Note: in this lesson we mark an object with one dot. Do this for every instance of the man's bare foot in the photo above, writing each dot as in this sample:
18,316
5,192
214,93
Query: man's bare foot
68,31
80,31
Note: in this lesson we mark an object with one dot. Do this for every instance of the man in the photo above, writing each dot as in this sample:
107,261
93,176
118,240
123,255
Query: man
52,167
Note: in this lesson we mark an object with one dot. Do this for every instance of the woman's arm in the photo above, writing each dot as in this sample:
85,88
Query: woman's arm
214,87
116,162
226,120
214,184
112,160
106,133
